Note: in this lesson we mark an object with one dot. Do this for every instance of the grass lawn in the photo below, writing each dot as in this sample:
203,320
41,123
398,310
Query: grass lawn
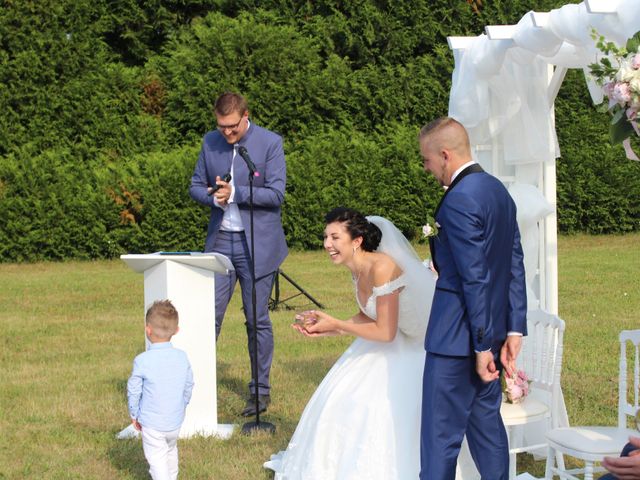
71,330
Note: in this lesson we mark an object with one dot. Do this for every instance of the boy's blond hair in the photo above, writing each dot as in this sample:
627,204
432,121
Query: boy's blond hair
162,317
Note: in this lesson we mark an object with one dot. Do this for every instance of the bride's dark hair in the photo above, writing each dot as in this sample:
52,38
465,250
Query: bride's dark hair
357,225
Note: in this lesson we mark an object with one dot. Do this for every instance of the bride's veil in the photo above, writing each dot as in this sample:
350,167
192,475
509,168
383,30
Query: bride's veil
420,284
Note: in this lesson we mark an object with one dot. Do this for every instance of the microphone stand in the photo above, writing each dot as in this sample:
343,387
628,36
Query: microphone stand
257,426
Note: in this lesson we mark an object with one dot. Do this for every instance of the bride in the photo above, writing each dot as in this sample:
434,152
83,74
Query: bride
363,421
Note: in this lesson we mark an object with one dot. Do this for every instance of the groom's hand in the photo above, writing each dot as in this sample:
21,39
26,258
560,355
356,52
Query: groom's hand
509,352
486,367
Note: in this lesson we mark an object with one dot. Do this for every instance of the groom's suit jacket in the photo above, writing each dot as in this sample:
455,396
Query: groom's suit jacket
480,292
266,152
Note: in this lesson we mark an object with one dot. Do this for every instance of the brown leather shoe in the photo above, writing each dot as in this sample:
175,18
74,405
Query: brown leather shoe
250,407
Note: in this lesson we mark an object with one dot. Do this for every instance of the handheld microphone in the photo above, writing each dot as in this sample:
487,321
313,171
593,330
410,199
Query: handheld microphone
242,151
216,187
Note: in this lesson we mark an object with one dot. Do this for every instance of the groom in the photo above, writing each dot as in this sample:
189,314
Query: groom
479,309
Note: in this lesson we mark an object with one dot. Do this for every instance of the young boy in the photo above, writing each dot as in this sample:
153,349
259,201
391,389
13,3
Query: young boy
159,390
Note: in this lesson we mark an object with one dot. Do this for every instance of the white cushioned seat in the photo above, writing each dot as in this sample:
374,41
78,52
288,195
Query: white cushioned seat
605,441
526,411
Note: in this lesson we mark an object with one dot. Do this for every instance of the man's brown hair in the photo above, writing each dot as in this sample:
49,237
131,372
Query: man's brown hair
229,103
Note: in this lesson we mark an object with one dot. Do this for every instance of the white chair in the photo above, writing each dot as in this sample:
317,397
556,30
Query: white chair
541,360
592,444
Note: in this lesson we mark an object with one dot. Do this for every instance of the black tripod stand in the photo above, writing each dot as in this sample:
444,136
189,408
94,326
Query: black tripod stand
257,426
275,301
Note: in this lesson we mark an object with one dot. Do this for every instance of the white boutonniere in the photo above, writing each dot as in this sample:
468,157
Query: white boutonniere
430,229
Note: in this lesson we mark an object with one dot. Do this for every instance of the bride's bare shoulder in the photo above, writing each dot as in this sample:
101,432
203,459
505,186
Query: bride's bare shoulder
384,269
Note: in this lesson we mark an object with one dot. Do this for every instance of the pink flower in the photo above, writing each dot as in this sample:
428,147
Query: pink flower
635,62
622,93
608,89
632,113
515,393
515,387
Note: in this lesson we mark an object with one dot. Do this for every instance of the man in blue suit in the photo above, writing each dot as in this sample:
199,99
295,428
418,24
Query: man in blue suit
479,309
229,224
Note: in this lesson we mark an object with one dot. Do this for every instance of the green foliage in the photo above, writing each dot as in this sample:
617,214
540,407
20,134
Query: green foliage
633,44
151,195
60,85
55,208
105,103
51,209
598,188
277,68
375,173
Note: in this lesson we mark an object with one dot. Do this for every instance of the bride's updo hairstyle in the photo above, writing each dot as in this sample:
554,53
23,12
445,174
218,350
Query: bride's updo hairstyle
357,225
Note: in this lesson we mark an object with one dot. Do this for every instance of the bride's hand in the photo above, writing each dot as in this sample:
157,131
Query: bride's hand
304,320
313,335
324,324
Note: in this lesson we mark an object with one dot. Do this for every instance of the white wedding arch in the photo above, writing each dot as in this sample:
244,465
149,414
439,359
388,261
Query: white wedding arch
504,85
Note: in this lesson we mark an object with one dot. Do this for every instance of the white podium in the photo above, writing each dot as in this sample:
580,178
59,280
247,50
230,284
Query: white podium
187,279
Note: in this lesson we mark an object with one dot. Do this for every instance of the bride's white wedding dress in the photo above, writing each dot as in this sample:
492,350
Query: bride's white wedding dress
363,421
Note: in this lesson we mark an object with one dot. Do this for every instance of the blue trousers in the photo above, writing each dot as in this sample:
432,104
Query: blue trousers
456,402
234,246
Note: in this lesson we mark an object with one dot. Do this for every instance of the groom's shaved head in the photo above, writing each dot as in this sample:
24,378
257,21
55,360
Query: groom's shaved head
444,146
446,133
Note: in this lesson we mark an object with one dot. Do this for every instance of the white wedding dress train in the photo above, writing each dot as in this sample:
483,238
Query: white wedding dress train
363,421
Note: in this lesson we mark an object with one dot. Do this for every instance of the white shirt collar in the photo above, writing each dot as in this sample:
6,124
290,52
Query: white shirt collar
461,168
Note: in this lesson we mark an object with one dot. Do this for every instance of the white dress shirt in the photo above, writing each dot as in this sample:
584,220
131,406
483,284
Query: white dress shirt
231,219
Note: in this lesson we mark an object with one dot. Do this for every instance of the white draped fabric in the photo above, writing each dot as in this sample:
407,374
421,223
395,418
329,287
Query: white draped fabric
503,94
499,87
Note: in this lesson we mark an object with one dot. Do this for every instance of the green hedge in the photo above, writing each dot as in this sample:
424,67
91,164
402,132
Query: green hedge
378,174
598,189
105,102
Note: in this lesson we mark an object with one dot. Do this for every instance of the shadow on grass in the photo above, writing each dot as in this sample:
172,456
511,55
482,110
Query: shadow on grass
230,383
128,457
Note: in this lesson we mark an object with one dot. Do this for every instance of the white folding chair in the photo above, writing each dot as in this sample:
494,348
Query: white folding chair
541,360
592,444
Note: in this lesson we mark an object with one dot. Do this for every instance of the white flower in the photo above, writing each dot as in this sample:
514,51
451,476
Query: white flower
427,230
634,83
626,72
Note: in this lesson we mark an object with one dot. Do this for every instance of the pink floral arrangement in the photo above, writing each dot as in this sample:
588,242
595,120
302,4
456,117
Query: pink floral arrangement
515,387
618,72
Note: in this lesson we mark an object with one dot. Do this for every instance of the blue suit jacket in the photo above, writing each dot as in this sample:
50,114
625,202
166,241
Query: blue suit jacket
480,293
266,151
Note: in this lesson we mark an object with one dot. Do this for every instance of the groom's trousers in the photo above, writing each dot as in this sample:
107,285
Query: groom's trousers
456,402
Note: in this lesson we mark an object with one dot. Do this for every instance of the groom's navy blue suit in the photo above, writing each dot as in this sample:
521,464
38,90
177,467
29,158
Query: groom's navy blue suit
480,297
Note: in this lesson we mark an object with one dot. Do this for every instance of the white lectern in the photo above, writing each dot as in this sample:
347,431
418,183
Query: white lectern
187,279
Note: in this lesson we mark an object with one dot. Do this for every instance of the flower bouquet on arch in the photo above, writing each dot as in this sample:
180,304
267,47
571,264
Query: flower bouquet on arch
515,387
618,72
